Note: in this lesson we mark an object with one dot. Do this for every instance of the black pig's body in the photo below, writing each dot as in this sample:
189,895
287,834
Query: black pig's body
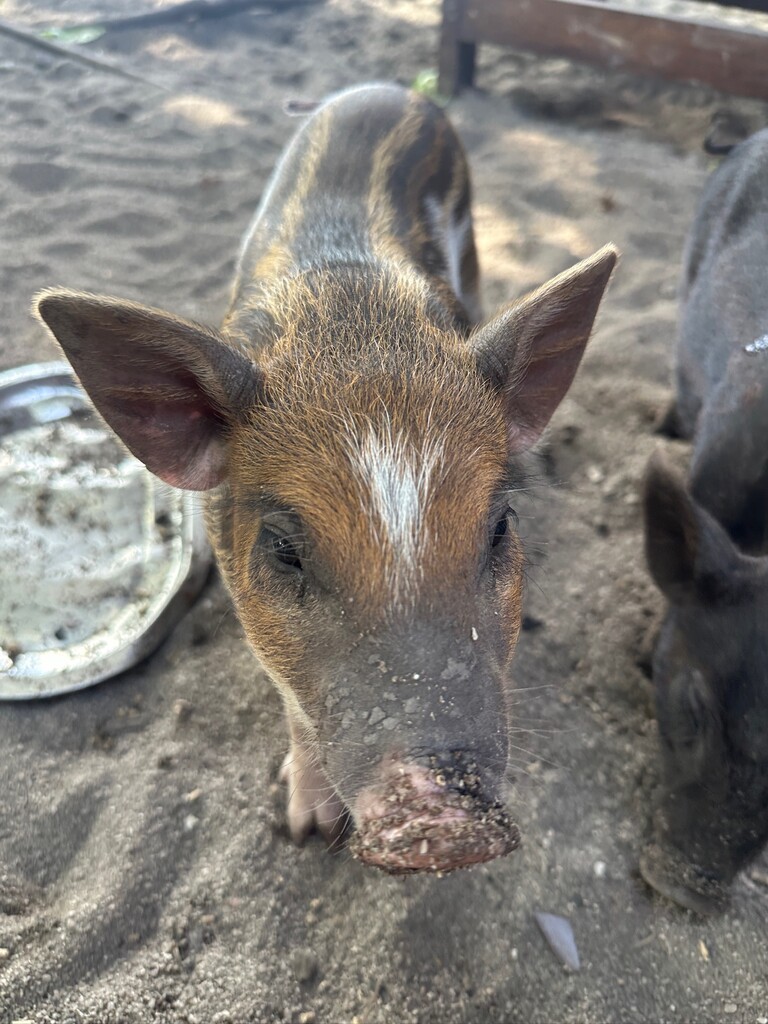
707,549
722,367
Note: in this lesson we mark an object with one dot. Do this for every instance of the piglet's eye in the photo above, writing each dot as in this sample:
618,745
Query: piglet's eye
500,531
282,551
502,527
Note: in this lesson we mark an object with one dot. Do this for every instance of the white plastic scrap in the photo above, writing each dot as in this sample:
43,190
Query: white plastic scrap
559,935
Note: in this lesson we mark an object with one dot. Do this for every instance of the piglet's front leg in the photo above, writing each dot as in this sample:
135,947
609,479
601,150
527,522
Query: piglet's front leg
312,801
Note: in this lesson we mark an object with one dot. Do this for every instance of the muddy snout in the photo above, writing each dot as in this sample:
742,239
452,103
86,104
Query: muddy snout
432,817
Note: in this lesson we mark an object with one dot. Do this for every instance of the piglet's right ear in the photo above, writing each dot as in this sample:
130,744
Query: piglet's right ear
169,388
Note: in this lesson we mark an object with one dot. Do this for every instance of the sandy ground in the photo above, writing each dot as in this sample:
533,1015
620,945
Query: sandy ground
145,871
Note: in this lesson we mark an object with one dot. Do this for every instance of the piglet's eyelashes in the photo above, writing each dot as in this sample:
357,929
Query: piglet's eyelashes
500,531
501,527
284,551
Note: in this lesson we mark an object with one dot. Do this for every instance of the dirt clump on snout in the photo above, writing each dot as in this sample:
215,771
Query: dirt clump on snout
438,823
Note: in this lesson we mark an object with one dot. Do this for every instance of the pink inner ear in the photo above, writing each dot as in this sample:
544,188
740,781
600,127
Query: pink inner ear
166,386
179,440
532,351
544,385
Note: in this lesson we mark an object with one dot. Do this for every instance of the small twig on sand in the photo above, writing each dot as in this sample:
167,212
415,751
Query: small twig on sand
99,64
298,108
191,11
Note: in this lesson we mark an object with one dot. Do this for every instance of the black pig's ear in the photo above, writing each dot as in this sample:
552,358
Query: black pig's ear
169,388
531,351
690,556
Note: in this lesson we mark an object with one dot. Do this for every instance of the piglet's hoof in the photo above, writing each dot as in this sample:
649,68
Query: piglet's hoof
312,802
668,872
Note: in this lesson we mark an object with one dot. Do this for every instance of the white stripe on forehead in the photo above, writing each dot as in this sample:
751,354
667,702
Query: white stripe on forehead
395,478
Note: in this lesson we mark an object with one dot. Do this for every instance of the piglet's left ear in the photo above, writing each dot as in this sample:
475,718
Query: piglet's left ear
532,350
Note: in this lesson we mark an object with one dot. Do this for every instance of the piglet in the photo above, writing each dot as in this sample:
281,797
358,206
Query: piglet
359,437
707,550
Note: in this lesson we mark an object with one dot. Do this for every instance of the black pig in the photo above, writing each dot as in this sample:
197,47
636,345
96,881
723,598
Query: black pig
707,550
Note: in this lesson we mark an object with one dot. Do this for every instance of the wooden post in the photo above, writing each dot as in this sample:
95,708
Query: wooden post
456,68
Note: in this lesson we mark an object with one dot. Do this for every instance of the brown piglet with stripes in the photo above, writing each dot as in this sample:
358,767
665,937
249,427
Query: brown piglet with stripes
359,433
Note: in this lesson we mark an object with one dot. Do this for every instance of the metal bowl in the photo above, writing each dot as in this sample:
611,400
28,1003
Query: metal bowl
99,558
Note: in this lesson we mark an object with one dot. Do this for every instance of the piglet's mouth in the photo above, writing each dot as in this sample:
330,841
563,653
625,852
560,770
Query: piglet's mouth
415,823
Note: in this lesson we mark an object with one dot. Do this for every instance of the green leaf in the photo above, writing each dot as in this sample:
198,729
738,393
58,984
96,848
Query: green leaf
426,83
78,34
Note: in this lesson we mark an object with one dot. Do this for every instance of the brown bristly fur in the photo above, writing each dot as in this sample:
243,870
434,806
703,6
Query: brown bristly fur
359,439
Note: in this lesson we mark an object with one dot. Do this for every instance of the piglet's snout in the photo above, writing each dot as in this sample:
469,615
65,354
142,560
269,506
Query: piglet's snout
434,818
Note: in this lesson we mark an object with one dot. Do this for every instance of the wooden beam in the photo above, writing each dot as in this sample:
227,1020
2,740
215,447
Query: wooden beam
734,60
